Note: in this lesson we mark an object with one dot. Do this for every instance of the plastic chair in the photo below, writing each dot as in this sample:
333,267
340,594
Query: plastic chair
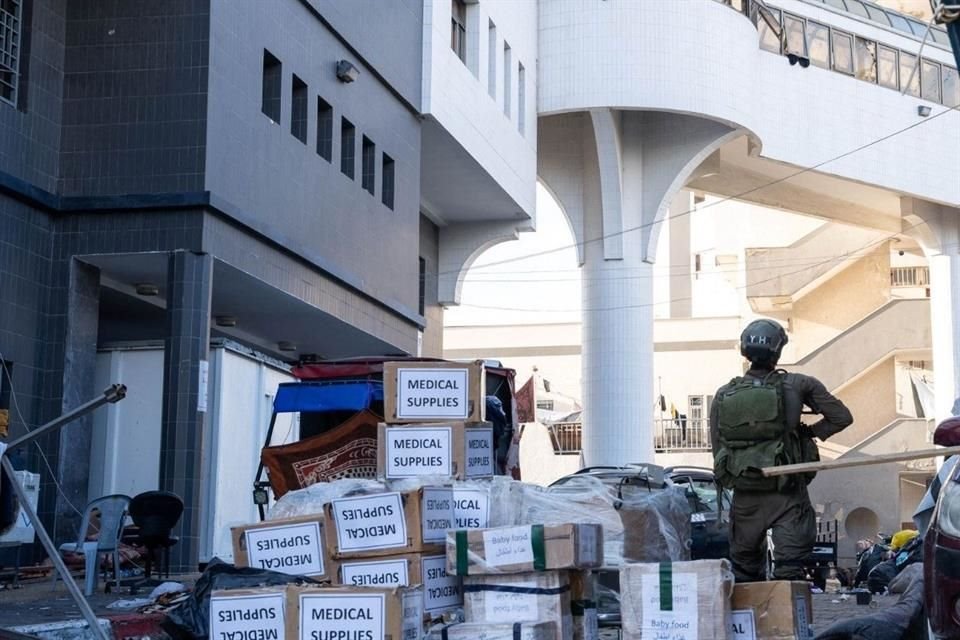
113,513
155,514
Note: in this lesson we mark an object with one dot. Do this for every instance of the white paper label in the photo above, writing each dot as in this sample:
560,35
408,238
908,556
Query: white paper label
203,386
412,625
587,548
471,508
743,626
385,573
508,546
437,514
800,615
342,615
589,626
441,591
294,549
679,624
433,394
411,453
370,522
480,454
258,616
502,606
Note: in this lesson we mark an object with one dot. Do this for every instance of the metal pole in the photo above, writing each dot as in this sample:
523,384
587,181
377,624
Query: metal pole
114,393
52,551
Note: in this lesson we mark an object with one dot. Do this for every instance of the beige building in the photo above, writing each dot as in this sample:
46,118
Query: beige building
854,302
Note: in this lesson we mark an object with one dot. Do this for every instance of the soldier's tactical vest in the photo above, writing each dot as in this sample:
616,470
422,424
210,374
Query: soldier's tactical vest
754,434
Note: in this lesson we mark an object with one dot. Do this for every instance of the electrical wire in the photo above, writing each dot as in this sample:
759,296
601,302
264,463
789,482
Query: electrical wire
736,196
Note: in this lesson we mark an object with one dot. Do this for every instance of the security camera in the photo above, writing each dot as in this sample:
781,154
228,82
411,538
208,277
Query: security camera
346,72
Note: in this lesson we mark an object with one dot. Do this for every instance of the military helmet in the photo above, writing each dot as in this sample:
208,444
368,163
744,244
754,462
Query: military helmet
762,341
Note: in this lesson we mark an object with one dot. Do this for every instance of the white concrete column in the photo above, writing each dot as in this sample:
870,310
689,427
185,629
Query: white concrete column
617,361
945,326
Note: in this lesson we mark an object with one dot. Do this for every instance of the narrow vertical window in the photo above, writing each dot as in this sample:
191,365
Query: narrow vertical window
458,29
324,129
348,148
522,99
908,62
930,80
422,306
298,110
492,60
272,86
951,87
11,28
769,28
386,189
842,53
507,63
888,68
368,162
866,60
818,44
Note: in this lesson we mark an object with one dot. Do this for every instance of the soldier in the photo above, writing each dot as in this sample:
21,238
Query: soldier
755,423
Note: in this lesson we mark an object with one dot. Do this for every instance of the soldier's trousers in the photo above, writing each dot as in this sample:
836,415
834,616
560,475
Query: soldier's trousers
793,522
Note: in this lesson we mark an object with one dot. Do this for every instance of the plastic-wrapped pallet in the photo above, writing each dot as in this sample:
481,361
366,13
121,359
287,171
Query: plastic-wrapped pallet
519,597
522,549
312,500
679,600
658,519
506,631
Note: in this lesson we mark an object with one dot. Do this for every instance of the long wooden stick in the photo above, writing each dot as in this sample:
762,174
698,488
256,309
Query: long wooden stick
860,461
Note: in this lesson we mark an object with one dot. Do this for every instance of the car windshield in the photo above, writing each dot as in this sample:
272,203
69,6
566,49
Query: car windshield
704,493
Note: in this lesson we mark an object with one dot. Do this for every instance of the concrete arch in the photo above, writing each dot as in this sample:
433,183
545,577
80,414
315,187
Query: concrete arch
460,246
566,217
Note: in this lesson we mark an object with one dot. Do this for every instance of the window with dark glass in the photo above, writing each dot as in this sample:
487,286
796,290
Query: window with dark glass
521,99
324,129
298,114
11,29
796,43
458,28
818,44
908,64
930,80
368,165
492,59
348,148
866,59
842,52
422,305
888,67
769,40
272,86
386,189
951,87
507,80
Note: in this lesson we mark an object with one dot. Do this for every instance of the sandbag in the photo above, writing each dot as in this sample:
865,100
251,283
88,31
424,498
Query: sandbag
190,621
903,620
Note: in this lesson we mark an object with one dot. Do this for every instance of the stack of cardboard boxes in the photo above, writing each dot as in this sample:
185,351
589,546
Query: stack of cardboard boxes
530,582
380,555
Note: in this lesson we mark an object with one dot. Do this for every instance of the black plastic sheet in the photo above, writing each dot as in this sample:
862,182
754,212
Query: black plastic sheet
190,621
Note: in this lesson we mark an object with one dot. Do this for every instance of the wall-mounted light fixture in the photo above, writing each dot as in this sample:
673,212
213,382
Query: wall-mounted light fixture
285,345
226,321
794,59
923,111
346,72
147,289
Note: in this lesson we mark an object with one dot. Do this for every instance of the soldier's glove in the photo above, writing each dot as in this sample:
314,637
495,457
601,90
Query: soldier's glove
805,431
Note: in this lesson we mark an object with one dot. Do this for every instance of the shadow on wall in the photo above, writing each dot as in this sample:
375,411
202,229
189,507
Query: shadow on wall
538,462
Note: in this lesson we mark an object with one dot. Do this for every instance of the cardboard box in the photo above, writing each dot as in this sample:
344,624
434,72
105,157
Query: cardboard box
248,613
519,597
684,600
450,450
441,592
387,524
775,610
296,546
433,391
524,548
479,631
339,613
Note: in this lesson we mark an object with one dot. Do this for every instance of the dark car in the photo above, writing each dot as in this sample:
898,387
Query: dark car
941,550
709,507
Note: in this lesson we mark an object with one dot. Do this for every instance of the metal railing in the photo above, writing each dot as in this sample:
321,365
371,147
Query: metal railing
682,434
910,276
567,437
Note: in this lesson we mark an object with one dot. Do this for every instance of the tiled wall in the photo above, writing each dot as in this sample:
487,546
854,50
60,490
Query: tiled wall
135,102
